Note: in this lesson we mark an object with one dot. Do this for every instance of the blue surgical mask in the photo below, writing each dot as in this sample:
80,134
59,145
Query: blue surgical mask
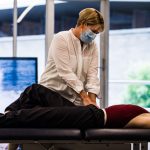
87,36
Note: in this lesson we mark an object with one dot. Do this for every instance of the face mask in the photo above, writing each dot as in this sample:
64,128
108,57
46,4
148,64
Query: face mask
87,36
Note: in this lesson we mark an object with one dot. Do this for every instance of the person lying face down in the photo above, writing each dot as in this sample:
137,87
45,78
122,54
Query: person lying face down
82,117
40,107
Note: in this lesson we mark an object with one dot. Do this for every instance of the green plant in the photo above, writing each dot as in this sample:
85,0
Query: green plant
139,93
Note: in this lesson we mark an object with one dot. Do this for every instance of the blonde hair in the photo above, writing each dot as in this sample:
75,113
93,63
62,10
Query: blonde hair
90,16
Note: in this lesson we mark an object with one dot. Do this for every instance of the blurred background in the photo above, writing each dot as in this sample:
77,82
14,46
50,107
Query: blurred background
128,43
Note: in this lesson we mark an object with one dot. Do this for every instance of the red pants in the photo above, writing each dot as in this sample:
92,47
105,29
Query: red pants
119,115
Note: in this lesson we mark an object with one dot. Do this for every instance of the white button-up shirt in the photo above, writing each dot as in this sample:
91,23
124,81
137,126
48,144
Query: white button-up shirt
71,68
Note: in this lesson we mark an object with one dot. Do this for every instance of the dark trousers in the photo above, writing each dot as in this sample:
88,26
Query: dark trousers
40,107
38,95
54,117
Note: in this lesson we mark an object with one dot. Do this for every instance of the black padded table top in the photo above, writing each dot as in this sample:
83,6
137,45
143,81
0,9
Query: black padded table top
118,134
39,134
74,134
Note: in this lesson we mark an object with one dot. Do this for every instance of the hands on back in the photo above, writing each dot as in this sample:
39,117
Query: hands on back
88,98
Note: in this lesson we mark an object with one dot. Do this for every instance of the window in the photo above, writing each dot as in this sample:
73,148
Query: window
16,74
129,54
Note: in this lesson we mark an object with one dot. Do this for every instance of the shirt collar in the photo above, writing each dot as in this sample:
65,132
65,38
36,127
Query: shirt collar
73,36
76,39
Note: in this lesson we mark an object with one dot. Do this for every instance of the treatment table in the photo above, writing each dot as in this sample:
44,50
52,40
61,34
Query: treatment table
90,139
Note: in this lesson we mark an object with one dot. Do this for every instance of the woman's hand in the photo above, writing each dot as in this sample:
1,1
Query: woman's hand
86,99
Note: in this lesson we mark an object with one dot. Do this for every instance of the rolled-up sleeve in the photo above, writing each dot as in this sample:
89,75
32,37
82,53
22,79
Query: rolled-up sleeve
60,54
93,82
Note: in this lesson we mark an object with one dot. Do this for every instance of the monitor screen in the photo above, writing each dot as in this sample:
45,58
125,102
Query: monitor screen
16,73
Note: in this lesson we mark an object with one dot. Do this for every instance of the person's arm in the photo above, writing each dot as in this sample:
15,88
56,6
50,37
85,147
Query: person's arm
61,55
93,84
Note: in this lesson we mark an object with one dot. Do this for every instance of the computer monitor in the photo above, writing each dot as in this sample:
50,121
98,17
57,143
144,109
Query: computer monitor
16,73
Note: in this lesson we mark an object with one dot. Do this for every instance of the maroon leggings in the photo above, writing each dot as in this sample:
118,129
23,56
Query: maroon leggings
119,115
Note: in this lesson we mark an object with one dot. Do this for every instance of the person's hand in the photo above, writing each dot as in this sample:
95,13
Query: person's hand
86,99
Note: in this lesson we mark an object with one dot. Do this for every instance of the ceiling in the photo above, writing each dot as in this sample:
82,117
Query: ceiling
71,8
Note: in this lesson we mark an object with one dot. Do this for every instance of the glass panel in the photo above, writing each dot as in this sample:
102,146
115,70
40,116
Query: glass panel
66,12
33,46
15,75
126,14
129,54
6,14
6,22
31,17
31,23
137,93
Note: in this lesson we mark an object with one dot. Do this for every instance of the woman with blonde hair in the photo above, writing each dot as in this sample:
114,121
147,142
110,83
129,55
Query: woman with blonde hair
72,64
